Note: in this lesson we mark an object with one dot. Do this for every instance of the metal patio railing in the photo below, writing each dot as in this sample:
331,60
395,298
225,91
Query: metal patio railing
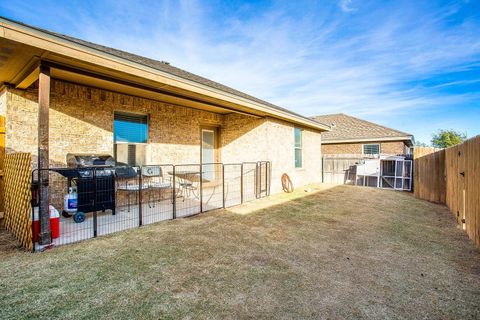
114,198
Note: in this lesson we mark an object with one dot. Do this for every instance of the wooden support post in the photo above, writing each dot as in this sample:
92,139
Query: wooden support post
43,139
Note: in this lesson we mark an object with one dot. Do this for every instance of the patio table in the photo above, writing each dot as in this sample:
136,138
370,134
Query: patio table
188,182
130,188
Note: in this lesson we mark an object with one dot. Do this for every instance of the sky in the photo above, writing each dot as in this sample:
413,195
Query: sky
410,65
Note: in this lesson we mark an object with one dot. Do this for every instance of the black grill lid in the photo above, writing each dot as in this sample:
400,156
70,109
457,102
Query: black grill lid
78,160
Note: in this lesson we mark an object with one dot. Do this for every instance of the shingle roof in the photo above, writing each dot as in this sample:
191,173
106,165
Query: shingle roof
161,66
345,127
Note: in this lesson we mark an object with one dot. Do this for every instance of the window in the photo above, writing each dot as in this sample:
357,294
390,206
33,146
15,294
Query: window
371,148
298,147
130,132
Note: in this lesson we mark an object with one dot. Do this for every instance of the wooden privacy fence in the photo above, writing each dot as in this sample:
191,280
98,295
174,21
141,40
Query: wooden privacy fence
339,170
452,176
423,151
18,196
429,176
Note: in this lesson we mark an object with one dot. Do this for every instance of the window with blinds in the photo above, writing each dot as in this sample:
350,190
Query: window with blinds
130,128
371,148
130,133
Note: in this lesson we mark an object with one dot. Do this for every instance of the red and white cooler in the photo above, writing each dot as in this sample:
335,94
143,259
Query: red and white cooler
54,223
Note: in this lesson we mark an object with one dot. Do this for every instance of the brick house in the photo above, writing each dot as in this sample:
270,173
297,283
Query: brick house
64,95
354,136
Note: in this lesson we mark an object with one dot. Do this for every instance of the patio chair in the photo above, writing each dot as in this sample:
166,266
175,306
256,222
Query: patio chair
188,183
155,180
126,183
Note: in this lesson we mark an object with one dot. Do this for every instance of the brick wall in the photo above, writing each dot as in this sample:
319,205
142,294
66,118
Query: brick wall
393,147
243,138
281,152
81,121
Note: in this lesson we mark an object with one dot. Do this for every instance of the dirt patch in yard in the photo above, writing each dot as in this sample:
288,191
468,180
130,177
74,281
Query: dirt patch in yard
337,252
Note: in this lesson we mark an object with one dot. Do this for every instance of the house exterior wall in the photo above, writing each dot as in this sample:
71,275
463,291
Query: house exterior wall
81,121
281,142
247,139
389,148
243,138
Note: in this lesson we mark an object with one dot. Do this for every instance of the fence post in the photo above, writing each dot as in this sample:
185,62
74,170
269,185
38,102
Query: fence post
33,205
223,185
269,176
95,202
140,201
257,180
323,169
201,188
266,177
95,228
174,195
241,183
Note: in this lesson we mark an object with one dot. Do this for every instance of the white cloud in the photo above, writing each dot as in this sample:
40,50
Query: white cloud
346,5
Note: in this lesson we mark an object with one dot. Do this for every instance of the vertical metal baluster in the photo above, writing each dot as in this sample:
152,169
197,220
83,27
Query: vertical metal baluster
201,188
266,177
223,185
95,227
140,200
174,196
241,183
258,184
269,176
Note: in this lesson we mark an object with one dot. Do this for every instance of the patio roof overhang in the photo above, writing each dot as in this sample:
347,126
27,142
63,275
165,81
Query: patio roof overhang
23,49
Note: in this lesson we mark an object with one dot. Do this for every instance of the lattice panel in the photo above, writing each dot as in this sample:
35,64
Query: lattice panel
18,196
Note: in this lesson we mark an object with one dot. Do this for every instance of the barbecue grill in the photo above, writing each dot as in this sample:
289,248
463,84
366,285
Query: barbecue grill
94,178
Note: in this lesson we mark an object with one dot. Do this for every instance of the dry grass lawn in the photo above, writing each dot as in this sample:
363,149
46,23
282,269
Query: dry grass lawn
341,252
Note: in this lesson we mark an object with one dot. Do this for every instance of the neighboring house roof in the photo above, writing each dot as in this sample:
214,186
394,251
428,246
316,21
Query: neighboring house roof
167,68
345,128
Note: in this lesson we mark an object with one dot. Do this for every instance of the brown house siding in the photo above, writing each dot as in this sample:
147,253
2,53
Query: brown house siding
393,147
